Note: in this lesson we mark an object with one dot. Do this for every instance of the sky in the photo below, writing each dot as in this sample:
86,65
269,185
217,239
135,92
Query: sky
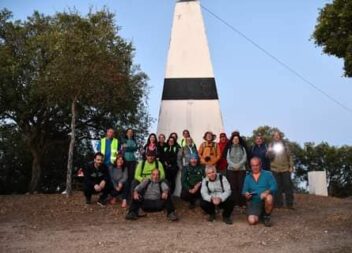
254,90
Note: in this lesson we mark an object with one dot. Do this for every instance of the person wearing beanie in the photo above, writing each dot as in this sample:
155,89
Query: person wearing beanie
191,180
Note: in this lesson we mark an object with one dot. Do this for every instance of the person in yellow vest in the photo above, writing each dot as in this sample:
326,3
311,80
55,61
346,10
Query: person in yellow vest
185,135
109,147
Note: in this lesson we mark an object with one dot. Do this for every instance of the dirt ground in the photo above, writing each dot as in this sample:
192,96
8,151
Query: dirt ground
55,223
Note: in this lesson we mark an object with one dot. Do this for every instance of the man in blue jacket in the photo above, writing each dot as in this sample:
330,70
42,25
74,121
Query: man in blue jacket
258,188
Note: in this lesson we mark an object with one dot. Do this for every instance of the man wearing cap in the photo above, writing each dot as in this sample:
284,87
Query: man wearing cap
191,181
145,167
209,153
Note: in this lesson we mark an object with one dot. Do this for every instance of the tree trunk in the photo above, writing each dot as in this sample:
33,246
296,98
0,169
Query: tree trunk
36,170
71,148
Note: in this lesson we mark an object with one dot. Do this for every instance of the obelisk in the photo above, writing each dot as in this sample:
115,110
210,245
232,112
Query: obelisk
189,99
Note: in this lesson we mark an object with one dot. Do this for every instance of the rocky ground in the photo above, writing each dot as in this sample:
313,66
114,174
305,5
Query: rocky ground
55,223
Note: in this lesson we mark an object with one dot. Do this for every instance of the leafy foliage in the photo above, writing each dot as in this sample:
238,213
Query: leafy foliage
49,62
333,31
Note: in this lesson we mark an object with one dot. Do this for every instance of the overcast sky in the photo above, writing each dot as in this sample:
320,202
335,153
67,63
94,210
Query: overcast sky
254,90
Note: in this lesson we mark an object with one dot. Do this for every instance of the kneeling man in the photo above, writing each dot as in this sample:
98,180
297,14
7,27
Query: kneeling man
258,188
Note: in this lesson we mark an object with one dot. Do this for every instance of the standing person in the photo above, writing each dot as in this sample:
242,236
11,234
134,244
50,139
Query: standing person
96,180
282,167
236,158
129,148
216,192
191,181
175,136
185,153
170,163
259,188
222,163
208,150
161,145
260,149
118,175
185,135
151,145
109,147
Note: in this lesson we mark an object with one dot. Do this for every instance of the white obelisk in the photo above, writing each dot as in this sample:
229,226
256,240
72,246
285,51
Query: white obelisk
190,99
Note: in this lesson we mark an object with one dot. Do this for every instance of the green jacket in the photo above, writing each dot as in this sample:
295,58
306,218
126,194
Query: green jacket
191,176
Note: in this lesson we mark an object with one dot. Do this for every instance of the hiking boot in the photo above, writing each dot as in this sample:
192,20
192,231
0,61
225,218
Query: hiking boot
227,220
172,216
211,217
267,220
101,203
131,216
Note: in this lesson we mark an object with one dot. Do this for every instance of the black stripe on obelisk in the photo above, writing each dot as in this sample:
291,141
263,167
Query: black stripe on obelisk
189,88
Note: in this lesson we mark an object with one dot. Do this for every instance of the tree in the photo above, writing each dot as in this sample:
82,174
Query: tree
336,161
91,70
333,31
67,76
24,55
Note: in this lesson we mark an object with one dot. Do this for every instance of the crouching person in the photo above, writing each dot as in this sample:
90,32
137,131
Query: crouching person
216,192
152,195
259,187
119,175
191,180
96,180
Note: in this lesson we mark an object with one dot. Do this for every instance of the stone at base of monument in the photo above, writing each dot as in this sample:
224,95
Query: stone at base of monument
317,183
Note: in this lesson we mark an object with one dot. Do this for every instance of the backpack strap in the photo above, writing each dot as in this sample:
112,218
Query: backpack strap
221,183
156,162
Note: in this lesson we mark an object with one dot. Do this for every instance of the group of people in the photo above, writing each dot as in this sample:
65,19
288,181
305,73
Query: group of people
218,175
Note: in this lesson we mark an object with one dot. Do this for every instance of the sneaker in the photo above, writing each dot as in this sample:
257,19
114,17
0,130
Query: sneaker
227,220
172,216
131,216
267,221
211,217
101,203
